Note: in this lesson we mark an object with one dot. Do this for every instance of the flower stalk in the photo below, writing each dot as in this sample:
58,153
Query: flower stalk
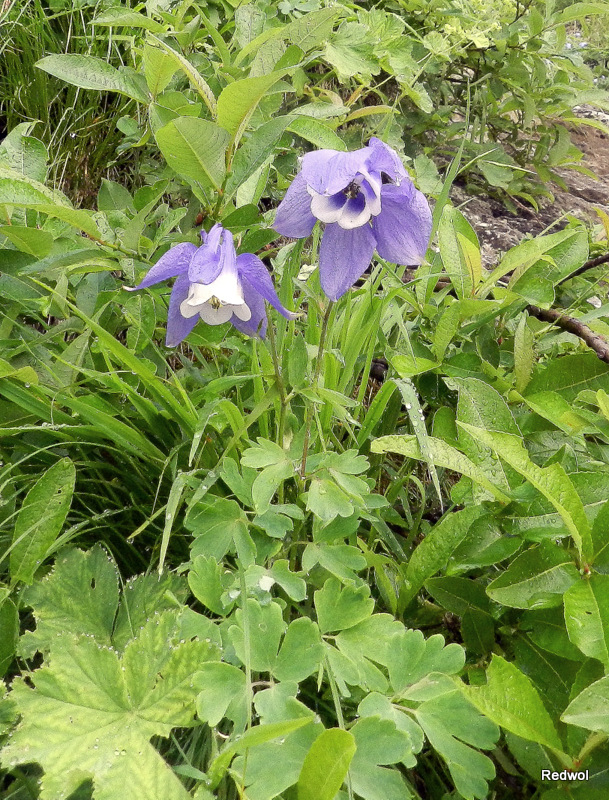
316,374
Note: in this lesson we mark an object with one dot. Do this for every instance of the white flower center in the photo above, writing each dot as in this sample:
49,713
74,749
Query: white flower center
216,302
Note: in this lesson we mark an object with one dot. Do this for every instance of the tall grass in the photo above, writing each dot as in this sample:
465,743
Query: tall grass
78,127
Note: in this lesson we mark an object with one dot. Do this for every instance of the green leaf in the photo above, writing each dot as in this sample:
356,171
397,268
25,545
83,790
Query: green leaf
40,519
460,251
341,607
326,765
193,75
482,406
417,420
29,240
298,360
301,651
253,153
590,709
411,658
222,693
257,634
524,355
432,554
113,196
239,100
452,725
570,375
443,455
537,578
378,741
351,52
128,19
100,713
208,580
458,595
89,72
195,148
327,500
510,700
80,596
24,154
316,132
552,482
218,525
9,633
587,616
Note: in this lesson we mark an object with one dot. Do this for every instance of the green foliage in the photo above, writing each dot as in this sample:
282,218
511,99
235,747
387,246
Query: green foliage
263,531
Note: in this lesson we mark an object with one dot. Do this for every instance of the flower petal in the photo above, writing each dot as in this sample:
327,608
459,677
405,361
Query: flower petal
256,324
252,270
174,262
294,218
355,213
327,209
343,257
383,158
215,316
178,327
329,171
403,227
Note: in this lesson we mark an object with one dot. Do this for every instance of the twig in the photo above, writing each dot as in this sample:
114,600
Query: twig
593,262
574,326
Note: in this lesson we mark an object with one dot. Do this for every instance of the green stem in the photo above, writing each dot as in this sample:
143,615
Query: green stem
278,379
594,741
318,365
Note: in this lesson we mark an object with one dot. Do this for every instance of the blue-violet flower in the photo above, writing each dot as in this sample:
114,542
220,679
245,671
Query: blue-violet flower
214,284
367,202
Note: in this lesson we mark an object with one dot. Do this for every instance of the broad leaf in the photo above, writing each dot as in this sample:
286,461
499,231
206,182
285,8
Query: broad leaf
326,764
510,700
100,712
587,616
41,519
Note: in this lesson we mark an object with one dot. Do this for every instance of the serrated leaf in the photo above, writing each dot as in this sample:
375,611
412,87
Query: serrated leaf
101,711
80,596
40,519
443,455
411,658
551,481
510,700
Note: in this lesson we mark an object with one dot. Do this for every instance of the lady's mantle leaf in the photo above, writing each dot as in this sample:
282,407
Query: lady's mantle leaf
100,712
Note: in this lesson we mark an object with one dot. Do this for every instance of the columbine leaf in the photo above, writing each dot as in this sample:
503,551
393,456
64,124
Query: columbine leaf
451,725
100,712
339,607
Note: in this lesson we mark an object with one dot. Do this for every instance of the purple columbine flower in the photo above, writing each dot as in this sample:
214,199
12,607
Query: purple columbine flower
367,202
214,284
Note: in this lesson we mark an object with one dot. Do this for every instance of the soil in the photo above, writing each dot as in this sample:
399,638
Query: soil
498,230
